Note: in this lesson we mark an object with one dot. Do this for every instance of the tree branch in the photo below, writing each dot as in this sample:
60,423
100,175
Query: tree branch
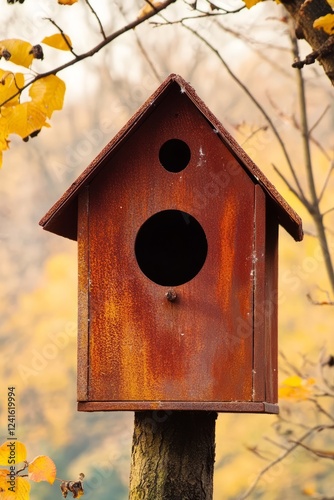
314,206
304,201
330,170
304,13
97,18
141,47
62,34
95,49
279,459
257,104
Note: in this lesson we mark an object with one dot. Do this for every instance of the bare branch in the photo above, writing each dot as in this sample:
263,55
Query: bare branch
297,126
147,57
257,104
97,18
327,211
314,208
316,123
321,409
319,303
62,34
257,452
304,201
279,459
330,170
94,50
141,47
291,367
318,453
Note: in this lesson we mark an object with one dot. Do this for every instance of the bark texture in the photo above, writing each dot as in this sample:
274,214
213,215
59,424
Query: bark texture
173,455
304,13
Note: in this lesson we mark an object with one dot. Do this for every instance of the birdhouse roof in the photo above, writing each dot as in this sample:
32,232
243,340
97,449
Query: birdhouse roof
62,218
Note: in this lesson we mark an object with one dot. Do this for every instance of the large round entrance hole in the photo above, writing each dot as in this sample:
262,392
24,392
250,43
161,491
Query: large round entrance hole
171,247
174,155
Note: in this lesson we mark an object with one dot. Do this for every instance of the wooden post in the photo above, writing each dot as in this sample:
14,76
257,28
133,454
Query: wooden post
173,455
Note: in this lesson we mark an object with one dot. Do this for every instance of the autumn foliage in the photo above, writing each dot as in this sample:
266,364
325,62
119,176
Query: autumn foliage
46,95
16,472
46,91
14,479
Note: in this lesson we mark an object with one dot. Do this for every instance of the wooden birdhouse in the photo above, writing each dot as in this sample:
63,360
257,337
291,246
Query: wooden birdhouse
177,232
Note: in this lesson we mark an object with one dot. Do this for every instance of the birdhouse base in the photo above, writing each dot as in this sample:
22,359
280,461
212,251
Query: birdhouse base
222,407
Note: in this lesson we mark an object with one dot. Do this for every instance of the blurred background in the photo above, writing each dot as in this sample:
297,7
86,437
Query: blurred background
38,270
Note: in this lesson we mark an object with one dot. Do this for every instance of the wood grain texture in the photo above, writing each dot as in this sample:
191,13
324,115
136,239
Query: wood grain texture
142,347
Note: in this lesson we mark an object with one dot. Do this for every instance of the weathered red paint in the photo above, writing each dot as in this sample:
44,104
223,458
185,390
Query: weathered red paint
215,346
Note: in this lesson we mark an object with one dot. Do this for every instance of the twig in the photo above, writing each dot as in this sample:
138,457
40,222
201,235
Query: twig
279,445
147,57
318,453
319,303
257,104
141,47
290,365
95,49
297,126
330,170
279,459
321,409
263,128
327,211
304,201
316,123
62,34
97,18
313,207
202,15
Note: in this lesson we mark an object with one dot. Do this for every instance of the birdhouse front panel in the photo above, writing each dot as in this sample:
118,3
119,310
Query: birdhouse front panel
177,232
171,265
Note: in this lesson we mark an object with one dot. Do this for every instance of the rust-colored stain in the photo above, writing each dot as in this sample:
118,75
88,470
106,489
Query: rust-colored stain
198,343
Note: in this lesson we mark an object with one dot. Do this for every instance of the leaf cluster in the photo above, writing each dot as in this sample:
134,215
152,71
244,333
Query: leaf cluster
14,482
46,94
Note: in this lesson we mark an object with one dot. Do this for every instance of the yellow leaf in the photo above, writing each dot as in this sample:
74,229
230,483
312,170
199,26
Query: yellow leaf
331,2
12,450
19,50
48,93
24,119
18,491
67,2
326,23
148,8
251,3
293,381
22,489
296,388
309,490
5,494
57,41
10,83
42,468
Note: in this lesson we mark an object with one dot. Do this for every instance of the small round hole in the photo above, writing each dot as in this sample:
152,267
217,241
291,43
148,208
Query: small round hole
174,155
171,247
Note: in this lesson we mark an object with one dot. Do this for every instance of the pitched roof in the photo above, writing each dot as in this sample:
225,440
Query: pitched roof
62,217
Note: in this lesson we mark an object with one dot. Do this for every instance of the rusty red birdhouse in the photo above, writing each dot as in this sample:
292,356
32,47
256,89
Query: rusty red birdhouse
177,232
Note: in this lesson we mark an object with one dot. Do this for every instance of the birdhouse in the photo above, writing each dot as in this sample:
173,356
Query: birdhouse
177,233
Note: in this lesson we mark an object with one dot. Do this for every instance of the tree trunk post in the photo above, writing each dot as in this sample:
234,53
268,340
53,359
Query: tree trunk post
173,455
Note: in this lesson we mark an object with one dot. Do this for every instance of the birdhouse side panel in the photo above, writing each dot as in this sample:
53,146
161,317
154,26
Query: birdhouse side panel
83,296
265,299
271,306
259,261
